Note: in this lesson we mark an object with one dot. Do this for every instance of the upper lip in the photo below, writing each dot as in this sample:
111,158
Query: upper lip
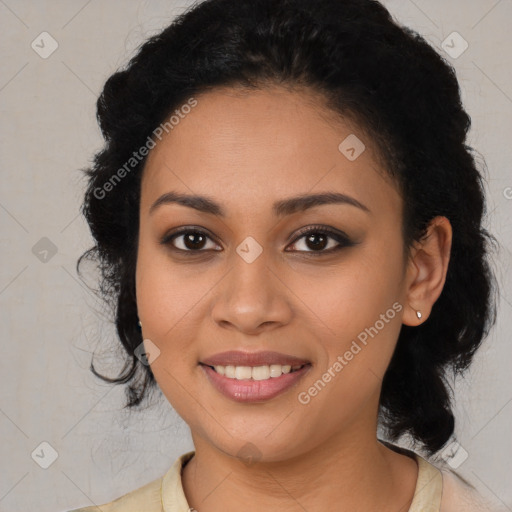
238,358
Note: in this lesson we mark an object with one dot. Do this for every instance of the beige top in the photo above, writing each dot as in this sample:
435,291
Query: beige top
436,491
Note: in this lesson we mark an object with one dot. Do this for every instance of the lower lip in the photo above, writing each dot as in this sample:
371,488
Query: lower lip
249,390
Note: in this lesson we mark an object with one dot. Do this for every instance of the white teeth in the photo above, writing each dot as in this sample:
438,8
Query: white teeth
243,372
255,372
261,372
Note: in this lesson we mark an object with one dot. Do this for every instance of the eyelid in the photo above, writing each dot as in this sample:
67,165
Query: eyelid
168,238
342,239
318,228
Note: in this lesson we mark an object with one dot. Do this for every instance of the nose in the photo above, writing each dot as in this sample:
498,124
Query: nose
252,298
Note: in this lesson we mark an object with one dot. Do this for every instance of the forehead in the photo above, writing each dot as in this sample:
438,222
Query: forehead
254,147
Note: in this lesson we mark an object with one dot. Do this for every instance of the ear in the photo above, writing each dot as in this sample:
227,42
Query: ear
426,270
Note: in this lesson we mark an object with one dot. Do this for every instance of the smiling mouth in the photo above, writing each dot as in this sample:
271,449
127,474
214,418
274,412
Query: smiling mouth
263,372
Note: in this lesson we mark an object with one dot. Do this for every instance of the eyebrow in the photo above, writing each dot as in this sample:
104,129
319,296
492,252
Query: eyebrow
280,208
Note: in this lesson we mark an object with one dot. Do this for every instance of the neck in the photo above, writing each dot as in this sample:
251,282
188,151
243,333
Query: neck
352,472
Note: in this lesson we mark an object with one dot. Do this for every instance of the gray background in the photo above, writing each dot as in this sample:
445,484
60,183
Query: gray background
51,323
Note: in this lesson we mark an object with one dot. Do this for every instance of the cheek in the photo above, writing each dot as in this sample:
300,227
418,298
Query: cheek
175,381
170,305
351,296
168,294
358,306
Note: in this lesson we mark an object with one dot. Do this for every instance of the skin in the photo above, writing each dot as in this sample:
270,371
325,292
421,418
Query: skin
246,151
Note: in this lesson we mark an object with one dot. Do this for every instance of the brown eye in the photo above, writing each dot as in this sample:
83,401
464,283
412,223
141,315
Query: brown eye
316,241
321,240
189,240
194,241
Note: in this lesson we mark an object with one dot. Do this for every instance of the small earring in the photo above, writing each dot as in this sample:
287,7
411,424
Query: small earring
140,324
418,314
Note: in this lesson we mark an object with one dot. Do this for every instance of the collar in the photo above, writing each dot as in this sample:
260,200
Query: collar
427,494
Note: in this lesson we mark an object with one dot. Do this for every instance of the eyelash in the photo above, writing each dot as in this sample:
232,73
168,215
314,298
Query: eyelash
342,239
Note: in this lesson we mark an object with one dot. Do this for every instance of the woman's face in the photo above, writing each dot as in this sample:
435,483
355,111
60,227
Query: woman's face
250,281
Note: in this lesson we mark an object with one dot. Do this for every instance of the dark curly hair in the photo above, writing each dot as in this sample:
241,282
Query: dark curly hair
368,68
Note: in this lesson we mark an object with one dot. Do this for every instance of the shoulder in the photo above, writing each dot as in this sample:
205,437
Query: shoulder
460,495
439,488
147,498
166,492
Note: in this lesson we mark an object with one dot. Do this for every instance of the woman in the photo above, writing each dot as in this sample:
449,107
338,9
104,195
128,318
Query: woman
287,217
